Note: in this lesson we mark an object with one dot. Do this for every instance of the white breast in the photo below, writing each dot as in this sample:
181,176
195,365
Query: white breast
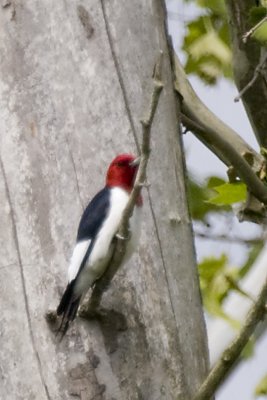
102,249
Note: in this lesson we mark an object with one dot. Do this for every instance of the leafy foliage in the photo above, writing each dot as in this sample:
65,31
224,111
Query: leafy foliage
217,279
207,48
229,193
214,285
215,195
199,195
261,388
207,43
256,15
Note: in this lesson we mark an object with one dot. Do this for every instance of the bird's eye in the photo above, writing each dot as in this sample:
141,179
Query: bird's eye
120,163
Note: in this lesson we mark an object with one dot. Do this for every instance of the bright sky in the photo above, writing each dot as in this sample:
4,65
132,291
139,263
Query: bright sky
202,163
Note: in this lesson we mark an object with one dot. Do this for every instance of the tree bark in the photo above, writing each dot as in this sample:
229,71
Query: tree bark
246,58
74,79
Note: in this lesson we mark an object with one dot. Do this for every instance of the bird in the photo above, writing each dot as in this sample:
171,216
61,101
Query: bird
96,232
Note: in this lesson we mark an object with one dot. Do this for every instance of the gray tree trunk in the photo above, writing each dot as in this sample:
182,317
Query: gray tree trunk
74,79
246,58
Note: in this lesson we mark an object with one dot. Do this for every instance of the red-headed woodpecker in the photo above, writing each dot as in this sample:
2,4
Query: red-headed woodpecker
98,226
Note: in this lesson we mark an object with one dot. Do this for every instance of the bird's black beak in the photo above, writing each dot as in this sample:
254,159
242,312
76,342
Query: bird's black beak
135,162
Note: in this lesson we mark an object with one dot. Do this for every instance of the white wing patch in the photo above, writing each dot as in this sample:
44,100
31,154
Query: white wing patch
77,257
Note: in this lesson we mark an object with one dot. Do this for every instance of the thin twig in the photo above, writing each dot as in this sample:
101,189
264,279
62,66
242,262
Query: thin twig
123,232
247,35
257,72
226,238
231,354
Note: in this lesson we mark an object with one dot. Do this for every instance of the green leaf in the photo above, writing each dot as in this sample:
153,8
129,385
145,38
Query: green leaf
256,14
261,388
207,43
216,6
210,44
210,266
261,33
214,181
199,193
216,281
214,285
229,193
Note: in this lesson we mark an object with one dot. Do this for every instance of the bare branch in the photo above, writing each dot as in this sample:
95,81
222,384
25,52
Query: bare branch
226,151
247,35
254,78
193,108
123,232
227,238
231,354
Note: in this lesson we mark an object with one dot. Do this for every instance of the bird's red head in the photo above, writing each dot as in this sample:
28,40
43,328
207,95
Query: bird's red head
122,171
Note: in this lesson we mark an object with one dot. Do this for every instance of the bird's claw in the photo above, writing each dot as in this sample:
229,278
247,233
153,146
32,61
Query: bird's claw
85,312
51,316
52,320
120,237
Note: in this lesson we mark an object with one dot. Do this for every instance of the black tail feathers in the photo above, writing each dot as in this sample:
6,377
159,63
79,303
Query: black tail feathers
68,308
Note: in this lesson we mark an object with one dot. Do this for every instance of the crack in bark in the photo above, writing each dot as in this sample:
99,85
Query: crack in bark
8,265
120,78
160,250
75,173
180,355
27,309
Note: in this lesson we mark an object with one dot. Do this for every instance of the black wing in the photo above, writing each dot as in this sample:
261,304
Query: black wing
94,215
90,224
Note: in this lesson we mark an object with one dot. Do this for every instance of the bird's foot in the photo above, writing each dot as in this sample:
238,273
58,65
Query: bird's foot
118,236
52,319
86,312
105,316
